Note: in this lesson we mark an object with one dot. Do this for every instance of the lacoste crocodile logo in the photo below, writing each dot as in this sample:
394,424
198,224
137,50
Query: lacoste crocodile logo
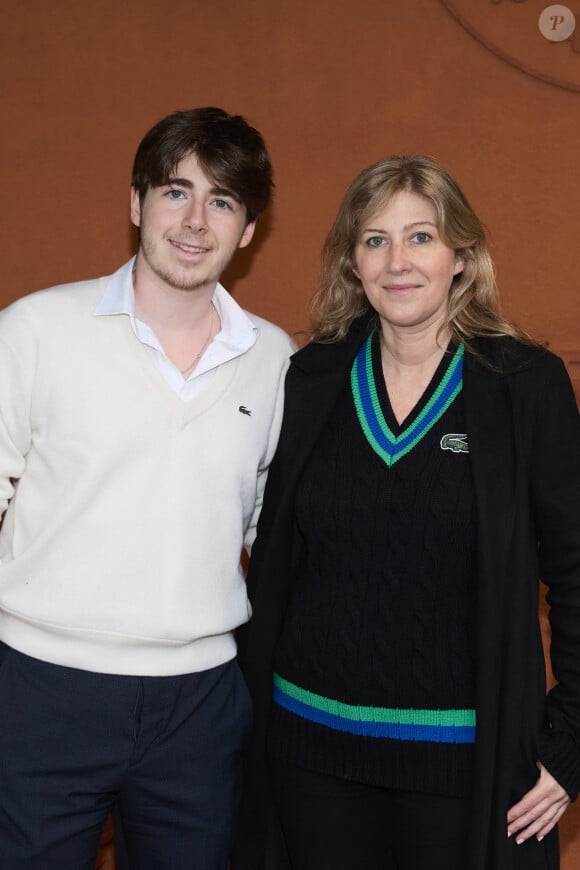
243,410
455,443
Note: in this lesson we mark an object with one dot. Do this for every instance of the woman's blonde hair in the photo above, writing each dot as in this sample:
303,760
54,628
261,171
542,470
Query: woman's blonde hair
473,303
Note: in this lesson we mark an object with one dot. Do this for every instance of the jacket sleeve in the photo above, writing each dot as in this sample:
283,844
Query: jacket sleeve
555,494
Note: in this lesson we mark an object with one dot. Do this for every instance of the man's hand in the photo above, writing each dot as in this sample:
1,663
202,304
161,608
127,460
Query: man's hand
539,810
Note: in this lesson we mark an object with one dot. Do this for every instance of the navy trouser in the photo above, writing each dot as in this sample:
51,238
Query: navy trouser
167,749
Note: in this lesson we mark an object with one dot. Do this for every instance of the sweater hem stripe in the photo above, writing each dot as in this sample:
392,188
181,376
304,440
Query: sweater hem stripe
440,726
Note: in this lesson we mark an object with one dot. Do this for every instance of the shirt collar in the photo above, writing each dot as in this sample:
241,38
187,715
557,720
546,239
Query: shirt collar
237,334
119,297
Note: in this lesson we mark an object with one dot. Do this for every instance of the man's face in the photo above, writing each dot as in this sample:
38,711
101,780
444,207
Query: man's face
190,229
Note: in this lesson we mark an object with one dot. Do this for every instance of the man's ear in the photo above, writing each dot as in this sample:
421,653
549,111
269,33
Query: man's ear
247,235
135,208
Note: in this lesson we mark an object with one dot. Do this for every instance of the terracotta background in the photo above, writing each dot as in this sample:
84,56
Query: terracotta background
333,86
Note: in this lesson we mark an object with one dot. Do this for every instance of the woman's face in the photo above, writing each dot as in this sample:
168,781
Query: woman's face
405,268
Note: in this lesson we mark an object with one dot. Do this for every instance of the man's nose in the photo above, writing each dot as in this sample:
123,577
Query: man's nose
195,218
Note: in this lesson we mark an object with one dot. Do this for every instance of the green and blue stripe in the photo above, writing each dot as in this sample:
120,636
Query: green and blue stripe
388,446
437,726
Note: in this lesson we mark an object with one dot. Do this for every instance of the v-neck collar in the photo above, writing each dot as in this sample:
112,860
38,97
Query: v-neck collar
387,438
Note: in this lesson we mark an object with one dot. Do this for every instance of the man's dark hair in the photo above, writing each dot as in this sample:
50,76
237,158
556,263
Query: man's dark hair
229,150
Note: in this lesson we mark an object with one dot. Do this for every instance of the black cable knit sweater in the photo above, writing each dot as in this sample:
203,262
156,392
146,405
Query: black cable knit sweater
375,675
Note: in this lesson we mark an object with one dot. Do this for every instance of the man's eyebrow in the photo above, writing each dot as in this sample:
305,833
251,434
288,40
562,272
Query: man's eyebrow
180,182
224,191
215,190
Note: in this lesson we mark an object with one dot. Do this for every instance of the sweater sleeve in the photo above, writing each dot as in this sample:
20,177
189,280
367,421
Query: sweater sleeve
17,363
561,758
555,492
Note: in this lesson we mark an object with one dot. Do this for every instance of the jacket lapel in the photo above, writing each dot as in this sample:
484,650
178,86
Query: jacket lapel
318,374
490,428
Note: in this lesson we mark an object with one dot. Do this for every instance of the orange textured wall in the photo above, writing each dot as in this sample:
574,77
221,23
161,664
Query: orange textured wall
333,86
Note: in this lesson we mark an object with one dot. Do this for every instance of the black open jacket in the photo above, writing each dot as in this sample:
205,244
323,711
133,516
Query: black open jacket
524,441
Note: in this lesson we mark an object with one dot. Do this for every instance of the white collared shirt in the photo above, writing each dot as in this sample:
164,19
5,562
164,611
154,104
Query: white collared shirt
237,334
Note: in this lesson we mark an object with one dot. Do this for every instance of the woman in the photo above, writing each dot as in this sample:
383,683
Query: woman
428,473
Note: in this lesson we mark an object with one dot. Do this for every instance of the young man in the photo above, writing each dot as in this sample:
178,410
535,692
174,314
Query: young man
138,416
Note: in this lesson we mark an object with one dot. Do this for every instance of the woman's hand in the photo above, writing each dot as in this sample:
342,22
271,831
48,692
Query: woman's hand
539,810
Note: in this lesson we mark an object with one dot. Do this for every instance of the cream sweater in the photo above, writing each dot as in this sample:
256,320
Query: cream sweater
126,508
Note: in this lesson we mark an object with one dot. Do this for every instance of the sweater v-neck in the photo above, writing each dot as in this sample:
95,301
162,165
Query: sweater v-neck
186,410
390,439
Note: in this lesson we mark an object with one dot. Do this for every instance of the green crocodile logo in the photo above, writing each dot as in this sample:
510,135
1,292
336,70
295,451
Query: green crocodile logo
243,410
455,443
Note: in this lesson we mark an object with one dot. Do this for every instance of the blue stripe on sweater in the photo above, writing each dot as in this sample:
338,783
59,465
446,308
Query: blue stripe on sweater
394,731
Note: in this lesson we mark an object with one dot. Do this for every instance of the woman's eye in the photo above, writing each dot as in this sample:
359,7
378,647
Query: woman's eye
422,238
375,242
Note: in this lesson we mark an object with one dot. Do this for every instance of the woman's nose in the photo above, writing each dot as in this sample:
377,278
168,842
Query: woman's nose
398,257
